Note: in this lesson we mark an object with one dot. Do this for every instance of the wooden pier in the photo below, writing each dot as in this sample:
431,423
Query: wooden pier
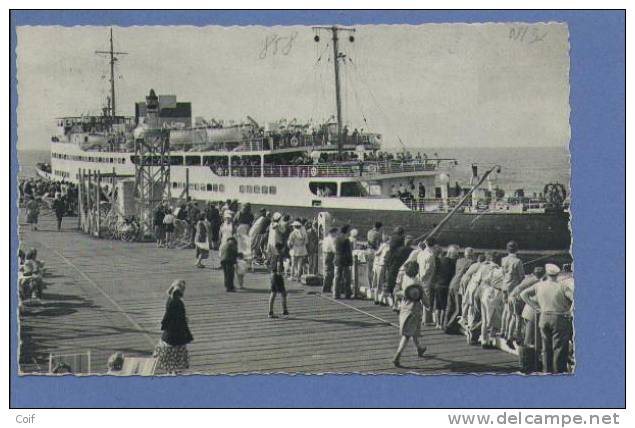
108,296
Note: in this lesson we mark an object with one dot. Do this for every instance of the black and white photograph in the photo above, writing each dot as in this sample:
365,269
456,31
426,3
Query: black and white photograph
303,199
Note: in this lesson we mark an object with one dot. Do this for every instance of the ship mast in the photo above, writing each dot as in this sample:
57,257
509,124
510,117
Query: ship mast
113,58
337,55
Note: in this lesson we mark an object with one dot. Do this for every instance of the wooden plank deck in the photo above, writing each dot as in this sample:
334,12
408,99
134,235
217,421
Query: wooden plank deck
108,296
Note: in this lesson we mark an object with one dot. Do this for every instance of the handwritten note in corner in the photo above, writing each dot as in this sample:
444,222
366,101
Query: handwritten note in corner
527,34
275,44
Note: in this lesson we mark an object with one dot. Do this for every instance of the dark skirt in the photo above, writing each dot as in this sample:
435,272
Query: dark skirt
169,228
440,298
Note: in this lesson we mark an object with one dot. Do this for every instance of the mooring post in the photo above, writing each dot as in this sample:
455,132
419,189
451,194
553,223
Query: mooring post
187,184
91,202
98,205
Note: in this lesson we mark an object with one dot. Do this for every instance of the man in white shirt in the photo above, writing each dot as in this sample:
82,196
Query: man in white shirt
328,255
553,300
426,259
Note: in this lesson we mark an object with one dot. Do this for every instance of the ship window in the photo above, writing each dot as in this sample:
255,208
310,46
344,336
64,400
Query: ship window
209,187
112,160
176,160
215,187
221,187
272,190
192,160
353,189
437,192
241,188
175,185
256,189
323,188
250,189
265,190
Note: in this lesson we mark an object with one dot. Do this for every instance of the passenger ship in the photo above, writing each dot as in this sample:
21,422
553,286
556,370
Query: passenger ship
291,168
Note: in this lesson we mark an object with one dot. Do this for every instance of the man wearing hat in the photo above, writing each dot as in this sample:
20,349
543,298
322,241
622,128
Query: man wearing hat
553,300
328,253
513,274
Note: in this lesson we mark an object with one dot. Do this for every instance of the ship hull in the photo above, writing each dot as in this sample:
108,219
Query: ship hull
533,232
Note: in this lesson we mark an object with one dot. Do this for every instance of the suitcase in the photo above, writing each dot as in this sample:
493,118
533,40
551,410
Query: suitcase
311,280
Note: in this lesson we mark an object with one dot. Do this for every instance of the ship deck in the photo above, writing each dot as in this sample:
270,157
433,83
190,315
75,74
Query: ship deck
109,296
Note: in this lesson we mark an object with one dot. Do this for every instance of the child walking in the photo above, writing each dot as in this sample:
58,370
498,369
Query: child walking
410,311
241,269
277,286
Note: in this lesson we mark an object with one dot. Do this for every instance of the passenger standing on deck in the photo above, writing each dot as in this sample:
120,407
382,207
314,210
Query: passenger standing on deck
491,293
393,262
513,275
171,352
455,299
410,311
427,271
215,221
373,238
297,249
227,228
228,257
159,227
446,266
255,236
471,301
193,213
312,248
274,239
241,270
201,240
33,212
277,285
60,209
379,269
328,253
168,224
343,262
400,256
527,319
553,300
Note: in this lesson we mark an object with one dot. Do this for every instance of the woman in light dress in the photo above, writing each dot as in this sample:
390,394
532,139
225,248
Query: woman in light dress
410,311
297,249
227,228
202,240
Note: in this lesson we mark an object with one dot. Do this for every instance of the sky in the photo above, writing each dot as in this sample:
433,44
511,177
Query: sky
433,85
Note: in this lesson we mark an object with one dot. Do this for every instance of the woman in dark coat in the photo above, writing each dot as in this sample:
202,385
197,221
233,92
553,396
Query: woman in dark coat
171,352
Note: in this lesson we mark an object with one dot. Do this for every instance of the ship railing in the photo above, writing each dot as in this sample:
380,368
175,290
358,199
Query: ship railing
350,169
430,204
278,141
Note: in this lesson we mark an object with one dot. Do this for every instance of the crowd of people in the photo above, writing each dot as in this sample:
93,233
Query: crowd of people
486,297
477,295
36,194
